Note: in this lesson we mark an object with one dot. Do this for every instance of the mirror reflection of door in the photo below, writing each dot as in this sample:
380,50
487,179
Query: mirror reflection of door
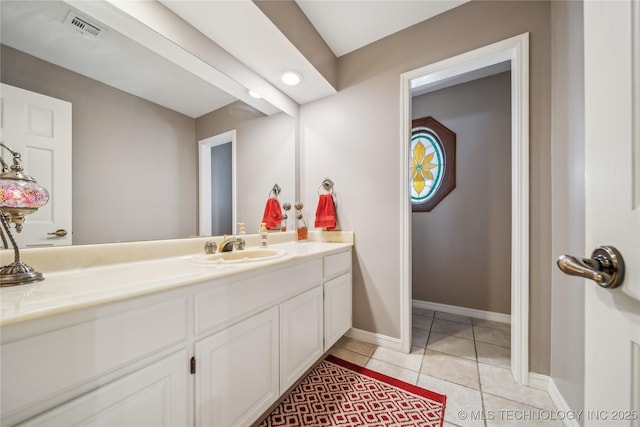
221,189
217,178
39,128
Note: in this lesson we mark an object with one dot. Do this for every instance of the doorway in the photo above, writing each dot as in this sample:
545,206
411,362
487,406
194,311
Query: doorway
473,221
221,212
217,183
515,52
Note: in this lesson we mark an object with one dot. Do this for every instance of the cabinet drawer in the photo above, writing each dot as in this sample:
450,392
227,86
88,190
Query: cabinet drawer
337,264
234,301
37,368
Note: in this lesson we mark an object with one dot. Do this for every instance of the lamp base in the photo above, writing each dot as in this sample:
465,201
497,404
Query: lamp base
18,273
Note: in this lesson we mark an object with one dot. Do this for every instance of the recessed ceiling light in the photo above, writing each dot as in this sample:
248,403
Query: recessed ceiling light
291,78
254,94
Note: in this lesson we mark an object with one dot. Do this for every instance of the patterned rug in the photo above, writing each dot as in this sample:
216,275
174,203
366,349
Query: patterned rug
339,393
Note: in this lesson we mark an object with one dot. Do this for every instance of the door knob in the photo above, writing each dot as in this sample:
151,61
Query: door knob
605,267
61,232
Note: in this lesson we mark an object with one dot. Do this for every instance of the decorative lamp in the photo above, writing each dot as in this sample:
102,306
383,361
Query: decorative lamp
20,195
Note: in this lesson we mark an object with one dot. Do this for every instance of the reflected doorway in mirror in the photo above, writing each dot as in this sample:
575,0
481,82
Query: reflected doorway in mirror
217,183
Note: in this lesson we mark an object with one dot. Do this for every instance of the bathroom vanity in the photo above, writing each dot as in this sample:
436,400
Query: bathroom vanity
170,341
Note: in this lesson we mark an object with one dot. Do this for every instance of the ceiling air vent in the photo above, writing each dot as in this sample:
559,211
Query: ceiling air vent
82,24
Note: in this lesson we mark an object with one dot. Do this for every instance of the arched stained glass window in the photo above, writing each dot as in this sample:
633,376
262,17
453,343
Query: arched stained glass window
432,167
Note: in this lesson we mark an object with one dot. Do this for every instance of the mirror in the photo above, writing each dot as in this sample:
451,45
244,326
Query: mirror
135,129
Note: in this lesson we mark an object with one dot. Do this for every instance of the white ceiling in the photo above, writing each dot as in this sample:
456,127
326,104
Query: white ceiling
239,27
348,25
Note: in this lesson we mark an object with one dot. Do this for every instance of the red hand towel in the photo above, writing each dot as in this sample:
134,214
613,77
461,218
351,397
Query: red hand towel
326,212
272,216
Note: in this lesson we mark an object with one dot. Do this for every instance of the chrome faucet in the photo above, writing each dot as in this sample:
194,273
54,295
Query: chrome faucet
229,243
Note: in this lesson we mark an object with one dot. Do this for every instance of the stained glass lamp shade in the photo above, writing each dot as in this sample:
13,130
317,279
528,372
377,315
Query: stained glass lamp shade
20,195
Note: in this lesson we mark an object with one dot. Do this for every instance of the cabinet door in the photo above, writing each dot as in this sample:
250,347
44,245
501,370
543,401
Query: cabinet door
154,396
301,336
337,309
81,355
237,372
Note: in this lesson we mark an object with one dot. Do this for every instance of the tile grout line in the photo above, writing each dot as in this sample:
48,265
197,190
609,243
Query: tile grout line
425,347
475,348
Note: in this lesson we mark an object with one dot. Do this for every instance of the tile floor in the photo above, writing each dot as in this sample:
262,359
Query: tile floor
466,359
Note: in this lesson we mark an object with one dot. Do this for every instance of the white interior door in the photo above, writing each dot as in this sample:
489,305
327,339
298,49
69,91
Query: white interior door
39,128
612,324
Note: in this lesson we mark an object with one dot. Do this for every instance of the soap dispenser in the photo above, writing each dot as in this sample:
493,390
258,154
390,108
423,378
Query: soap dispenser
263,235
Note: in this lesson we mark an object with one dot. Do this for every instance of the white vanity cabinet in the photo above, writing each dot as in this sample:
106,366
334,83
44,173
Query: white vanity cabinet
260,333
212,353
54,360
243,369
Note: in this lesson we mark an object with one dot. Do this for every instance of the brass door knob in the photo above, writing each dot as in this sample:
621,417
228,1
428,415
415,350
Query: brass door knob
605,267
61,232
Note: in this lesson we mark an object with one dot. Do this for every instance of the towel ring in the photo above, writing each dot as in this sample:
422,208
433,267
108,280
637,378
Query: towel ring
275,191
327,184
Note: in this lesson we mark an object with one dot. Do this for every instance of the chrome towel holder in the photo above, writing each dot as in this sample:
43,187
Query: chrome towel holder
275,191
327,184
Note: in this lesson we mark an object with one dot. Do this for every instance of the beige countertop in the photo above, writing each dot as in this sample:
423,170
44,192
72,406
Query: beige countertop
104,282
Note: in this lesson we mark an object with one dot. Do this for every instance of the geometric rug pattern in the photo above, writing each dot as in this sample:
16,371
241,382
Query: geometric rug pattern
339,393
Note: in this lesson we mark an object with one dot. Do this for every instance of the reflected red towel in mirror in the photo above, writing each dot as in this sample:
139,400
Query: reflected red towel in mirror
326,212
272,216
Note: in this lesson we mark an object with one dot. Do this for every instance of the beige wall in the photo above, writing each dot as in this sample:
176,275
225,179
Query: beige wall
353,137
568,195
265,155
462,248
125,150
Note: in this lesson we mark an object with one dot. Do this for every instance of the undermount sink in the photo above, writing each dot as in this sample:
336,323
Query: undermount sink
239,256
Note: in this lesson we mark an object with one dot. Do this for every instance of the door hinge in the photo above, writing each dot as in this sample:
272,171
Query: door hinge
193,365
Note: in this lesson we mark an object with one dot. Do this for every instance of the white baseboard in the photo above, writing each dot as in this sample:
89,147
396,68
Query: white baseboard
539,382
542,382
374,338
463,311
